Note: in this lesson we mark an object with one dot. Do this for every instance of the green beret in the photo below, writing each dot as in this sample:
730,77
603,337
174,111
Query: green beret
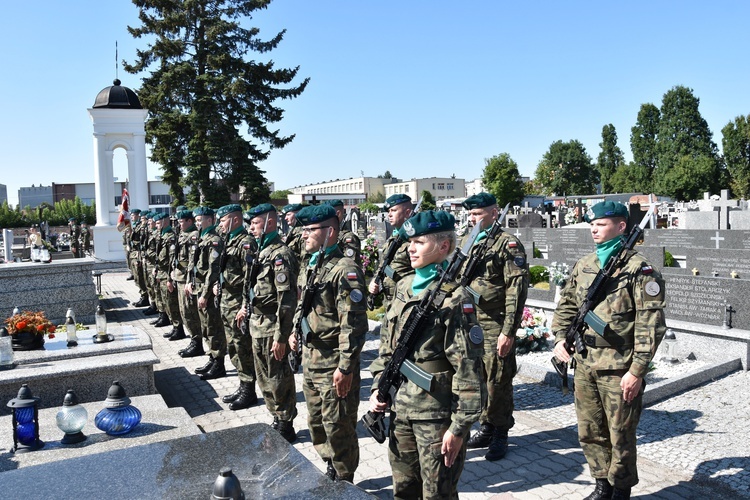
292,207
431,221
160,216
204,211
228,209
185,214
135,211
73,219
180,208
261,209
479,200
396,199
315,213
606,209
146,214
335,203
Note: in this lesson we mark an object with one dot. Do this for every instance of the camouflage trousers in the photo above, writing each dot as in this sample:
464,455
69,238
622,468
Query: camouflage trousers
188,312
239,343
414,451
136,267
155,289
212,330
171,303
607,425
499,372
332,420
275,380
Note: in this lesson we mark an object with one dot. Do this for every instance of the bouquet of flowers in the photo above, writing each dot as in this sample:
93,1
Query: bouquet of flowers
559,272
571,217
533,334
370,253
33,322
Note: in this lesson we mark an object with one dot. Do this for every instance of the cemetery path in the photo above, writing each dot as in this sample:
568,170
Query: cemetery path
693,445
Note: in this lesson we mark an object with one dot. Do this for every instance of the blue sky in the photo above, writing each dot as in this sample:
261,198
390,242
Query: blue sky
417,87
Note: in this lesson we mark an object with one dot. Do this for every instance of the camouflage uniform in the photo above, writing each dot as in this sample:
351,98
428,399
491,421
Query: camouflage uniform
338,320
151,260
75,244
295,242
187,243
136,259
351,246
164,259
501,281
400,266
85,240
210,248
271,319
419,419
634,313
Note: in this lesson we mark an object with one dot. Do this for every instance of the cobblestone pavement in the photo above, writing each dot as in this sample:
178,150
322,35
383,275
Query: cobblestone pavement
693,445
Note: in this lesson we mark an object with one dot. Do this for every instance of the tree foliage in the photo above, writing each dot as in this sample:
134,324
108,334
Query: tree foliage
378,197
501,178
610,158
428,201
367,207
631,178
210,104
280,195
643,138
736,146
56,215
566,168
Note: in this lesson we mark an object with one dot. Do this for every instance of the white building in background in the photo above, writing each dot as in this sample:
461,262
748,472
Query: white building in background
352,191
441,188
34,196
474,187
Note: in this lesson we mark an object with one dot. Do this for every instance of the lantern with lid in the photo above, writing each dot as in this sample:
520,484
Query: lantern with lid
6,350
25,409
71,419
118,416
101,326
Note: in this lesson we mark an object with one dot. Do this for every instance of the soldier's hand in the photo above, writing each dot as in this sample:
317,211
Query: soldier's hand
278,350
202,303
170,286
216,288
561,352
293,342
374,288
451,447
342,383
376,405
631,386
504,345
189,289
240,317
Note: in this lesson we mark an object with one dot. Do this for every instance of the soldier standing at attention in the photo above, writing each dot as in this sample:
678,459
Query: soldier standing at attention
609,374
136,257
271,298
293,237
164,259
239,344
348,241
85,237
151,240
210,247
187,244
338,321
501,283
428,430
75,236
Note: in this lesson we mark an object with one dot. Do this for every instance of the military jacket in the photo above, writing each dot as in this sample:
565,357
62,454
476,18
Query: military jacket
295,241
236,251
633,310
127,241
166,253
502,282
274,293
187,243
152,245
85,236
210,247
351,246
75,234
338,318
444,348
399,267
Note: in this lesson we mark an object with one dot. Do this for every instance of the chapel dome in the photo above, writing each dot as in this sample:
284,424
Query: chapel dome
117,97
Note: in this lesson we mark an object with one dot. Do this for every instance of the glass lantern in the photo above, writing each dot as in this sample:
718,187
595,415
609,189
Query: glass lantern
101,326
25,408
670,340
71,314
71,419
118,416
70,329
6,350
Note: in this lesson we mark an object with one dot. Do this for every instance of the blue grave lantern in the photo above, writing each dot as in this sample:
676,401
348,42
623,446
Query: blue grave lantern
25,409
118,416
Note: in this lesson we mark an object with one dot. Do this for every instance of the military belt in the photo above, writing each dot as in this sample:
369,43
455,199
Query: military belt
435,365
597,341
320,344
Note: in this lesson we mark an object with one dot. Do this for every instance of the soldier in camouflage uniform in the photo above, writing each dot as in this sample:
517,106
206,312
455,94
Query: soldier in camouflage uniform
168,290
338,321
501,281
75,236
348,241
428,430
85,239
400,208
136,259
210,247
271,298
187,243
609,374
293,237
152,242
239,343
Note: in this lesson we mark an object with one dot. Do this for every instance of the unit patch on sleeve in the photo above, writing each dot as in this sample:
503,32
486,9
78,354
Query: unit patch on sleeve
356,295
652,288
476,335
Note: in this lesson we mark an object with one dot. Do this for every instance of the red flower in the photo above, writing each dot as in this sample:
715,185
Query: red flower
51,335
51,328
40,328
21,325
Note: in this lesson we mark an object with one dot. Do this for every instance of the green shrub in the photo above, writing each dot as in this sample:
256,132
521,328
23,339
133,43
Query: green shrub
668,259
537,253
539,274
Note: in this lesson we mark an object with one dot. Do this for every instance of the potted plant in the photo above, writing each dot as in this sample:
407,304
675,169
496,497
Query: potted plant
28,329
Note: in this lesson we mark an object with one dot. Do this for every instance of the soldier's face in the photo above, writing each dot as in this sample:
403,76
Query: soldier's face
315,235
257,224
398,214
291,218
185,224
229,223
487,215
424,251
603,230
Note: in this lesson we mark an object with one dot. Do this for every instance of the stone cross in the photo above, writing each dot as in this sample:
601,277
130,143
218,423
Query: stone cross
724,204
526,209
717,239
580,210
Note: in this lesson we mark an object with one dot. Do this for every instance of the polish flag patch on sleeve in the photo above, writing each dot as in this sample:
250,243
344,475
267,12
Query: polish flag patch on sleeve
246,246
512,244
279,261
468,308
647,269
351,276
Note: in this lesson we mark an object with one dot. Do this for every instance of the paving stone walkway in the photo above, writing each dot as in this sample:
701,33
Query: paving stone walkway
693,445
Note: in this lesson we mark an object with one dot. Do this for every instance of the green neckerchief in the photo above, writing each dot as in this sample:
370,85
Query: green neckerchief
236,232
267,238
204,231
191,229
607,249
166,230
424,276
314,257
482,235
395,233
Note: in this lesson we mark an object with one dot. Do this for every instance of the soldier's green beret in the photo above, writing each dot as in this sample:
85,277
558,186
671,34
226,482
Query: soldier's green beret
315,213
397,199
185,214
606,209
261,209
146,214
431,221
180,208
160,216
204,211
135,211
479,200
73,219
228,209
292,207
335,203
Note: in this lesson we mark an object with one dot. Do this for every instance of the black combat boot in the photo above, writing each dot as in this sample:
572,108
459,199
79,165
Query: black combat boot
330,470
194,348
204,369
178,333
163,320
603,491
130,278
498,445
151,310
246,399
287,431
143,302
621,494
217,370
481,438
275,423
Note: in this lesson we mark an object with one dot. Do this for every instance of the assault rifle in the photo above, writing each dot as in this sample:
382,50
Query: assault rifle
385,268
471,266
399,367
596,292
222,268
302,328
346,219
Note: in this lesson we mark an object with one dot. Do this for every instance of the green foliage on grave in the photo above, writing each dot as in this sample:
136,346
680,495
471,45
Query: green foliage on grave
668,259
539,274
537,253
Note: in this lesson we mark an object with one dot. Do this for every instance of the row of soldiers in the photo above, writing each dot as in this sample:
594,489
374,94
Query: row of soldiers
80,237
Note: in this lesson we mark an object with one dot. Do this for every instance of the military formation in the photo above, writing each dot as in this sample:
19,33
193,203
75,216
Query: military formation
80,237
236,285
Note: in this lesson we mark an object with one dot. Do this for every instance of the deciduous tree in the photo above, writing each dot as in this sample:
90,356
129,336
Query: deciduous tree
610,158
501,178
736,146
566,169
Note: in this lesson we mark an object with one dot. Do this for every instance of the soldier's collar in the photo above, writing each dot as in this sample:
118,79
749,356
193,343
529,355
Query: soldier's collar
237,231
329,251
166,230
209,228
